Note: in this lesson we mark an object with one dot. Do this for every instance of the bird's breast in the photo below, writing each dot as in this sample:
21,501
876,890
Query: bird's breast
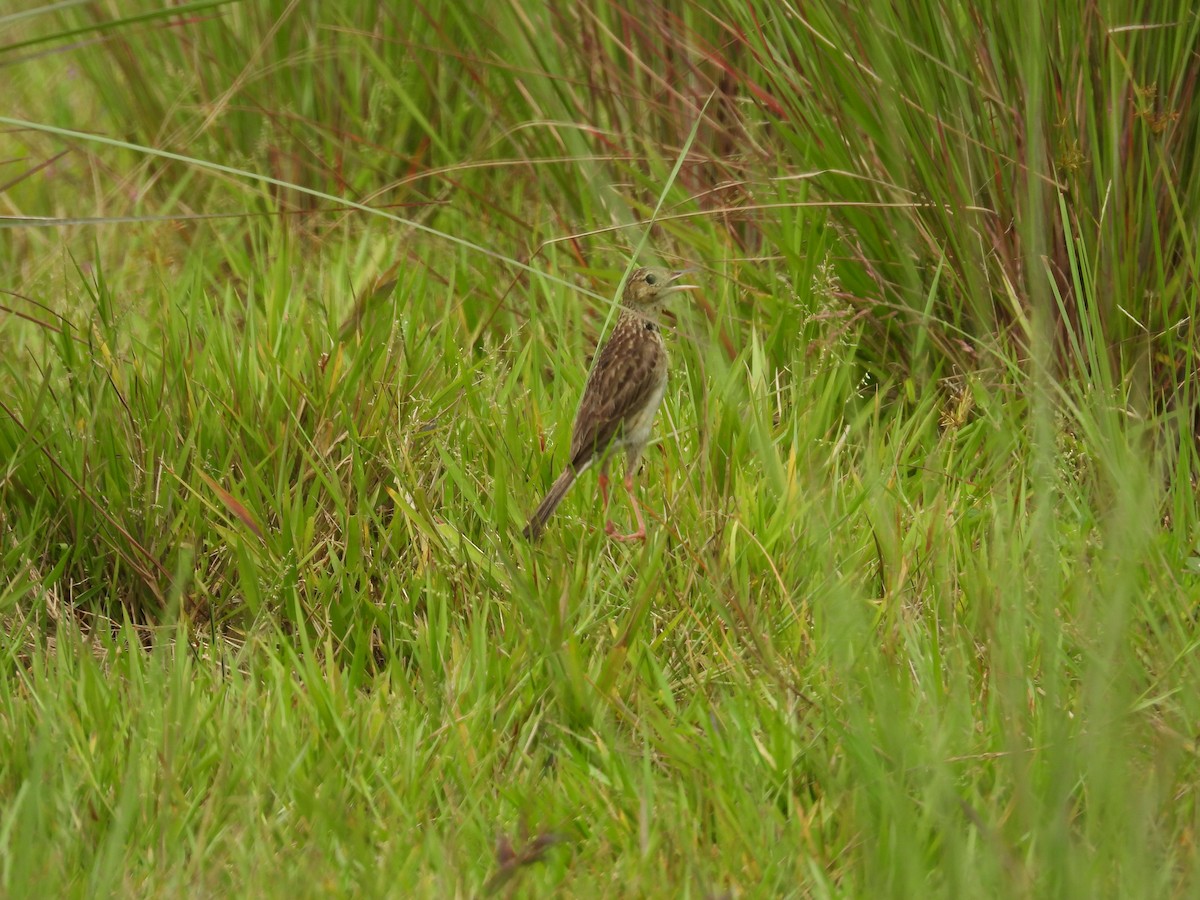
640,422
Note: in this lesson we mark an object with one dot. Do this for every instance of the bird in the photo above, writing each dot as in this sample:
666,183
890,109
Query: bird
621,397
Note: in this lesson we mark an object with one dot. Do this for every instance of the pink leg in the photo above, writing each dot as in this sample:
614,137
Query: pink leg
640,534
609,527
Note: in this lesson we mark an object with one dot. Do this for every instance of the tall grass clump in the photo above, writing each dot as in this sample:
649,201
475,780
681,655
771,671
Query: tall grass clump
991,161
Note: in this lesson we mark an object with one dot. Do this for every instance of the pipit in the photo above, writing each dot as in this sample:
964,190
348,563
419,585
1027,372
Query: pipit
621,397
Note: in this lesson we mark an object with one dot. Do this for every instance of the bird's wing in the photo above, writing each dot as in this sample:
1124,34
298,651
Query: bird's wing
621,382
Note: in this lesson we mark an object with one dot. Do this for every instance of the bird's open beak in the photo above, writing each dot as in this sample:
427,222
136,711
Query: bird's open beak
675,276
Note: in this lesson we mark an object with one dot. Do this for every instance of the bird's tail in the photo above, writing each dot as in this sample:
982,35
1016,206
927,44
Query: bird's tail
546,508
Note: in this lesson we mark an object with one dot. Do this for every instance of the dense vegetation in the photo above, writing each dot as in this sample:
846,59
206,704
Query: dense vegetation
298,301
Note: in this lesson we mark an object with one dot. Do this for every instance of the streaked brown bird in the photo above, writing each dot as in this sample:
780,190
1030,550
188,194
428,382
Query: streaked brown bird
621,398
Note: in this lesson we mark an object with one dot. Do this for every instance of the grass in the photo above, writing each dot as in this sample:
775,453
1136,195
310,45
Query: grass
299,304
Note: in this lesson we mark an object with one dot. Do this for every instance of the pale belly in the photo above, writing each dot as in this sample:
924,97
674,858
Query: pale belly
637,428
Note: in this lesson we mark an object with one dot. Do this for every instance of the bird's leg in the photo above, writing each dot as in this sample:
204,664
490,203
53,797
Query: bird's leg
640,534
609,527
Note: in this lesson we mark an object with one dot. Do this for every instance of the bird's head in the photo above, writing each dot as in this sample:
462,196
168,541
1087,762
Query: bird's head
648,288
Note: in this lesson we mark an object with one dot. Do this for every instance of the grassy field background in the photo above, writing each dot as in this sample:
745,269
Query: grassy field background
297,303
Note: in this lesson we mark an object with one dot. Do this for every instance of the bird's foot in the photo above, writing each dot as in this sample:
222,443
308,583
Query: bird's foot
611,530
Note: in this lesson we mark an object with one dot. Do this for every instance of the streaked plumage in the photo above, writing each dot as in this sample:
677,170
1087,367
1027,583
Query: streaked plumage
622,396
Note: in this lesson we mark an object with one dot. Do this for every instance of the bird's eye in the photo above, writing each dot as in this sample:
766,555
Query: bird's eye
651,278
